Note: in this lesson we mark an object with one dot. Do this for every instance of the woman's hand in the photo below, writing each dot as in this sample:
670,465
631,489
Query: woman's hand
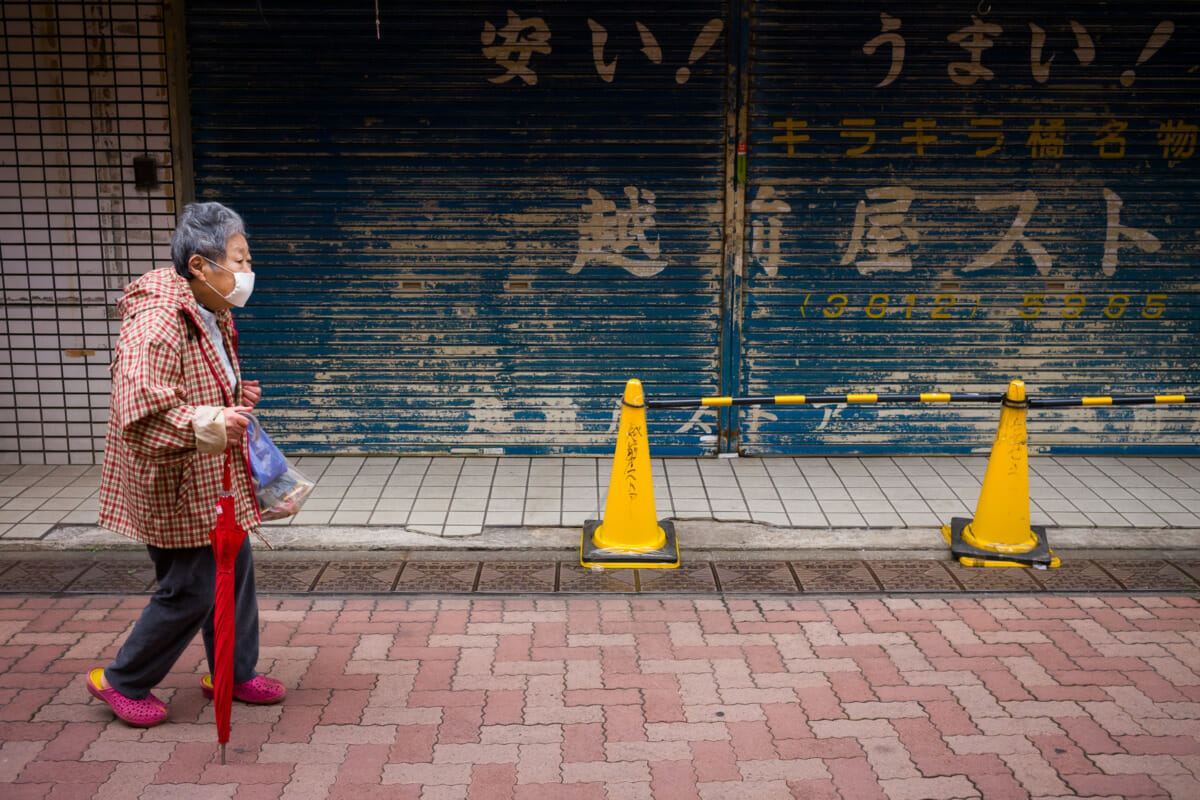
235,424
251,393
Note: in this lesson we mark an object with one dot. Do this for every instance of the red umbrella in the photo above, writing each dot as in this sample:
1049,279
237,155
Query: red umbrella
227,540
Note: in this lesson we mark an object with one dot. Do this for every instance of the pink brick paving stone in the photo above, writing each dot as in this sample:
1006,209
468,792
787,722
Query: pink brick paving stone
48,619
71,742
583,742
187,762
490,781
851,687
1159,689
414,744
436,669
673,780
848,620
752,740
514,641
654,646
828,749
93,773
579,791
950,717
26,702
460,725
853,777
624,723
504,707
1123,786
1089,735
834,576
245,773
820,702
345,707
714,761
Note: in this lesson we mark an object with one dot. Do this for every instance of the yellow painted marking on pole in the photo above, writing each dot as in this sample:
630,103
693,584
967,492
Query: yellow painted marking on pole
1097,401
788,399
862,398
717,401
1170,398
935,397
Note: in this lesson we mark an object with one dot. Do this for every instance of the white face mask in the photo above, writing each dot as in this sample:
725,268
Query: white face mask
243,285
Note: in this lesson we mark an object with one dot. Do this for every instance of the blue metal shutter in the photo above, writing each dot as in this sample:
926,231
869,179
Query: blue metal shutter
945,196
472,221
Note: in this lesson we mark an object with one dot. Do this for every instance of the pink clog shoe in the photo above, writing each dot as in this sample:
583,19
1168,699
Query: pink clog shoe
145,713
259,690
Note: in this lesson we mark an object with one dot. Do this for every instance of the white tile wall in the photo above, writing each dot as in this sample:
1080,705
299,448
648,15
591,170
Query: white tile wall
83,90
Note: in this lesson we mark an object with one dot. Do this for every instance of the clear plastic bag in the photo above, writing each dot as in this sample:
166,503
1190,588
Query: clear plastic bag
283,496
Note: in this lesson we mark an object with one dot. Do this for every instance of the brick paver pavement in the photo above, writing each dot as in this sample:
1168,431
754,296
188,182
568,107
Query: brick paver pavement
632,697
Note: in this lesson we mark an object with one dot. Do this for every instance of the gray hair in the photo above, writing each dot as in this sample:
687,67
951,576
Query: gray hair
203,228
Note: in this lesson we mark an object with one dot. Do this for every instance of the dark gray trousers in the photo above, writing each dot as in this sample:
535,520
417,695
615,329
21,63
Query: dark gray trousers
182,605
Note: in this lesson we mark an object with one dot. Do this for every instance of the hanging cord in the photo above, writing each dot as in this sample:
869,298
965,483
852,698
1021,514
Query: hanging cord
376,19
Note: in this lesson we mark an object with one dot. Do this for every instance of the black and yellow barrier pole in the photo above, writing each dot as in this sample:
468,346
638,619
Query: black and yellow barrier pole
999,535
629,535
825,399
1114,400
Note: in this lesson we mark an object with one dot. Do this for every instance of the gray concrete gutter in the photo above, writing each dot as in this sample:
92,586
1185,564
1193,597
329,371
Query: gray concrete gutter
746,539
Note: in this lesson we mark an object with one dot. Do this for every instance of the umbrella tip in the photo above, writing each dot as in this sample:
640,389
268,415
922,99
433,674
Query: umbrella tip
222,754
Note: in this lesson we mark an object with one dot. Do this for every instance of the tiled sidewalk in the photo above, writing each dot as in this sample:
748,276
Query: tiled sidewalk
453,497
632,698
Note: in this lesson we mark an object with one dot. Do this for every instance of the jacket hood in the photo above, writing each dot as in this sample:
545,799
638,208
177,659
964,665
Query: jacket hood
161,288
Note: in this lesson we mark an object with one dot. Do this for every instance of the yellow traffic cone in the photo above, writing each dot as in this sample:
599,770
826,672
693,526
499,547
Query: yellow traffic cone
629,535
1001,524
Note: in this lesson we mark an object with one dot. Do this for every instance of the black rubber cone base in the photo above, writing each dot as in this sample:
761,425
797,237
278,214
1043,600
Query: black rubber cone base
666,557
1039,556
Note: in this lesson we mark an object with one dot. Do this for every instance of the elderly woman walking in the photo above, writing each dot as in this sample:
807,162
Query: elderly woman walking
176,408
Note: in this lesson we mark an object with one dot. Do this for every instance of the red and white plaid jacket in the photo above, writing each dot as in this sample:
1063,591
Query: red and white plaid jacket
161,480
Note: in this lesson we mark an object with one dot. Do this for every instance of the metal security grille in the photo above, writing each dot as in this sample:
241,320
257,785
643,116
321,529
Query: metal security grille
472,222
87,94
944,197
